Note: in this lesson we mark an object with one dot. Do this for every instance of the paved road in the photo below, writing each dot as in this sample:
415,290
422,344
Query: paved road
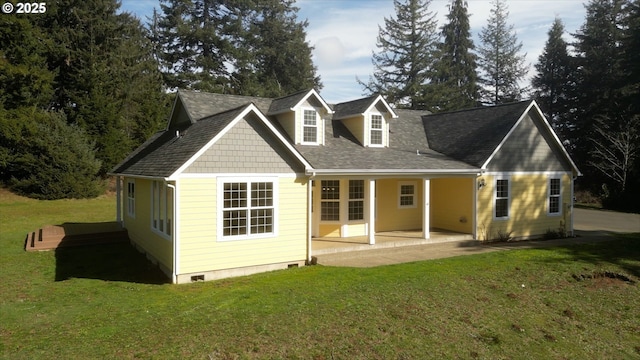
597,220
591,226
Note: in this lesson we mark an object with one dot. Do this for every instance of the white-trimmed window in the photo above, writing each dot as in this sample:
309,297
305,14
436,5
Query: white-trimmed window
309,127
376,130
131,198
330,200
555,192
248,208
406,194
501,199
161,198
356,199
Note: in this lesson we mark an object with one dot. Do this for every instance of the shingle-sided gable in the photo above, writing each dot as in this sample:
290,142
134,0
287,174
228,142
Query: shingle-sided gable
472,135
248,147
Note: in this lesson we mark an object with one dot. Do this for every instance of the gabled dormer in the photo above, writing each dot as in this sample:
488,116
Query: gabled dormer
302,116
367,119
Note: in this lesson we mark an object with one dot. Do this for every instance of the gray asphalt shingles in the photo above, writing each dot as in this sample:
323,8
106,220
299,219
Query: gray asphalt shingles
460,140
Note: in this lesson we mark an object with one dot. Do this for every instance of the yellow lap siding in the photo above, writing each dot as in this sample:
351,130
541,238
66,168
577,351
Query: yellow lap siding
200,250
139,229
389,215
452,204
528,206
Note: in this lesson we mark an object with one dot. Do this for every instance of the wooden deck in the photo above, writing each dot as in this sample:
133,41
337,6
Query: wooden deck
74,234
385,239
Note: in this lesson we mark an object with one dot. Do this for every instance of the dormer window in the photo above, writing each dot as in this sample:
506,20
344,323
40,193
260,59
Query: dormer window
310,127
376,130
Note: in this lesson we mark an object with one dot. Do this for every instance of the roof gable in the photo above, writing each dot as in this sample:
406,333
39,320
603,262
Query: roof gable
293,101
360,107
168,153
472,135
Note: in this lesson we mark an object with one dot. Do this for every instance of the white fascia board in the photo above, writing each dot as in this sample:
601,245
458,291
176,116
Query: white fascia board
555,137
313,92
504,140
386,172
146,177
384,102
249,108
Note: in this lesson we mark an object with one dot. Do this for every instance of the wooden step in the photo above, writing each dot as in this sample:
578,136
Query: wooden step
53,237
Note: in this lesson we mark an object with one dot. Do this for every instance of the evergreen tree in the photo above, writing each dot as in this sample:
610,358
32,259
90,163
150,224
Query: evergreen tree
193,47
404,64
455,71
502,65
25,79
600,76
271,54
554,79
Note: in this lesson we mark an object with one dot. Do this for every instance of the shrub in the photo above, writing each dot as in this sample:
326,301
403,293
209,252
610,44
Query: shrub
43,157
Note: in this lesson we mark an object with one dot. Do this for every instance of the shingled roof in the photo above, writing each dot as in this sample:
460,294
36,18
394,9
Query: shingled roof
455,141
164,152
472,135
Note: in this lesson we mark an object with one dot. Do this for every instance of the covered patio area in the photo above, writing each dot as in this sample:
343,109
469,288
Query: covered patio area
384,239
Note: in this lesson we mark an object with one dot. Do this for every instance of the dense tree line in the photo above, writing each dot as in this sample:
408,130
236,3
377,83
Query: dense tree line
588,89
84,83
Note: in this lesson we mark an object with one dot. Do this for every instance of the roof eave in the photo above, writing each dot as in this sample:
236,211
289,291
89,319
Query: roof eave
386,172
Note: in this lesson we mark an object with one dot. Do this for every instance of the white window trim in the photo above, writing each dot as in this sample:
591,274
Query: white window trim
317,126
339,200
495,196
382,130
349,200
163,202
131,201
415,194
220,207
560,205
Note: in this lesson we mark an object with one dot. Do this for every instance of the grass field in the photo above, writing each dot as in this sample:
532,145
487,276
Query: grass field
106,302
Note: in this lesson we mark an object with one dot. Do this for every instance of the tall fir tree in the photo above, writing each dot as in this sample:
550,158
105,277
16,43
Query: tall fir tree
271,55
455,78
600,76
502,65
193,47
554,80
405,61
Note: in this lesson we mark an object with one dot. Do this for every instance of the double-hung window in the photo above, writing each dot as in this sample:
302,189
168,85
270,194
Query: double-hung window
310,127
131,198
501,204
554,196
376,130
248,208
406,194
330,200
356,199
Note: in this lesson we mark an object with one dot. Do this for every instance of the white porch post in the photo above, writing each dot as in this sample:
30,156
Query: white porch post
426,183
371,212
118,201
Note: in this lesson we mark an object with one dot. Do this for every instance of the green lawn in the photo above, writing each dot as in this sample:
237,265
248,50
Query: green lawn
106,302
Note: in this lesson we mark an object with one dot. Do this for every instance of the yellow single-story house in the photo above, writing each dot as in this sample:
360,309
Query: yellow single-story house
237,185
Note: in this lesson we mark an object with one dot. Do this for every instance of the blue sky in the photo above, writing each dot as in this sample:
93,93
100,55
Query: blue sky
344,32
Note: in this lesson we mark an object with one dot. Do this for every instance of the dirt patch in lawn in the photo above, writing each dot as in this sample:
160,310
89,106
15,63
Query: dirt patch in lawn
605,279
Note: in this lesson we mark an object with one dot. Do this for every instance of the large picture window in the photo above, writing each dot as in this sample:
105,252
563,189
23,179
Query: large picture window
554,196
330,200
310,127
356,199
501,207
376,130
248,208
